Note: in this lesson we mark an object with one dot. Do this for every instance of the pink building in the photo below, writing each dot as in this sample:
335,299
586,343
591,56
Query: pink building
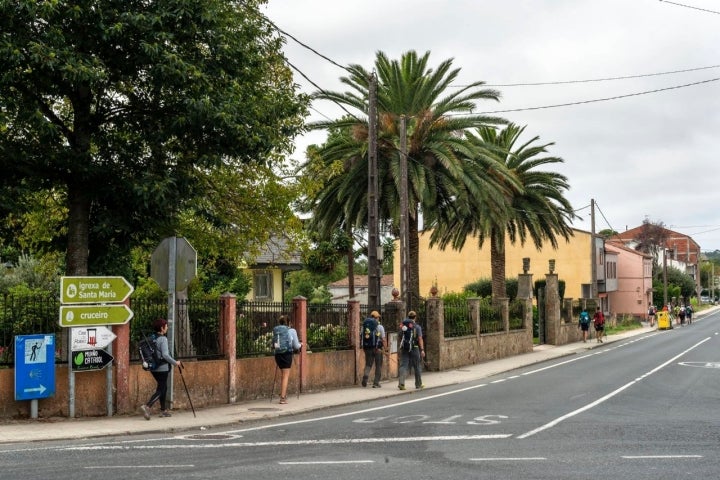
634,281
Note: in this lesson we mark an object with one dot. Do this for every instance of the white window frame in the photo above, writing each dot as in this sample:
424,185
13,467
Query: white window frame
263,285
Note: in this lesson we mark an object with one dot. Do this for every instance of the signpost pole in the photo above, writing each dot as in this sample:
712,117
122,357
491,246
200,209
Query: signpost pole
172,296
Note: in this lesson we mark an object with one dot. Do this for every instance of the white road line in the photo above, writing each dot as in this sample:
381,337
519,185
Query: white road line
320,462
284,443
107,467
609,395
658,457
506,459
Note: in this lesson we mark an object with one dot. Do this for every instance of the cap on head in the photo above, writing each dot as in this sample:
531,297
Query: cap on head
412,314
375,314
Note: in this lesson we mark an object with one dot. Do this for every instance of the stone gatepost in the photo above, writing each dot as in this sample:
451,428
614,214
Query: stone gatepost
552,306
525,293
435,334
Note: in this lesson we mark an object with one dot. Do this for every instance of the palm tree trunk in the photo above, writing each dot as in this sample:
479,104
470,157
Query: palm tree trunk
497,266
414,259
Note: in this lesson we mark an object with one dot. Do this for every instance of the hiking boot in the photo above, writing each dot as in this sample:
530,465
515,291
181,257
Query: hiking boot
145,411
165,413
419,387
376,385
401,387
364,381
283,400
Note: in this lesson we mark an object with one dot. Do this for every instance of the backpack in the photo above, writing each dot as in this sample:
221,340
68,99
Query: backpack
408,336
150,353
584,318
370,335
599,319
281,339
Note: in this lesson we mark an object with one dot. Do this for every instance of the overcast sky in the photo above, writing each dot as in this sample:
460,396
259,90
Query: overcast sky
646,155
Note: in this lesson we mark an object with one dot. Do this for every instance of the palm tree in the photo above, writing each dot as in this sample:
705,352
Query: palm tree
437,149
537,209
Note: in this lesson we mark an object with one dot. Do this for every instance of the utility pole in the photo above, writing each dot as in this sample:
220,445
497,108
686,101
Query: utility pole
404,233
593,254
373,264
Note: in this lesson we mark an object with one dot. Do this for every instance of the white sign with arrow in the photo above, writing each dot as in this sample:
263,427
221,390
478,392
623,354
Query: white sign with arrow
91,338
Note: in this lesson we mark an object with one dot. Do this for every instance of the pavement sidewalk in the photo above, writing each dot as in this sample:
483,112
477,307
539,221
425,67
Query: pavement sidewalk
226,415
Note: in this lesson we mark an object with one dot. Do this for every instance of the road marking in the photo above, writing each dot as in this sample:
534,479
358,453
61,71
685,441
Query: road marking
320,462
506,459
107,467
284,443
655,457
608,396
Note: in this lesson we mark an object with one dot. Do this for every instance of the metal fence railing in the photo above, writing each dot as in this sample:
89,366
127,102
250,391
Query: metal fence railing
491,320
458,321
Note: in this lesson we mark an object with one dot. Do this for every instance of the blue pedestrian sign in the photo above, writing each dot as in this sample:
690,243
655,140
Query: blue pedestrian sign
34,366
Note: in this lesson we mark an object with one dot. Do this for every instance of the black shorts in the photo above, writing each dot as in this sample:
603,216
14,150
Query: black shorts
585,327
284,360
599,328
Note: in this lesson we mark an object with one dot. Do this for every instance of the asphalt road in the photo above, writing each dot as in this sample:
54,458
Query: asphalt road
643,408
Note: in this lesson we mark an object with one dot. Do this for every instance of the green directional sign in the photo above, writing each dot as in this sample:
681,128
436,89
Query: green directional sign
94,315
90,360
94,289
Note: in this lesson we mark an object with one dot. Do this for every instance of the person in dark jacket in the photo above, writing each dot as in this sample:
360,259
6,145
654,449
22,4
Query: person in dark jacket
161,371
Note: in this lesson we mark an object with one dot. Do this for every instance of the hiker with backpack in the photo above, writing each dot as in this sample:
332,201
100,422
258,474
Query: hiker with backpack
160,370
412,350
584,324
285,343
599,324
372,337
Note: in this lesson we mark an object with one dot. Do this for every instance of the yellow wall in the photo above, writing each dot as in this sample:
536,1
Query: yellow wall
452,270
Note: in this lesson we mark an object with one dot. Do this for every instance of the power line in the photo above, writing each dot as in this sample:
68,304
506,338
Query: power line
603,216
690,6
606,99
283,32
605,79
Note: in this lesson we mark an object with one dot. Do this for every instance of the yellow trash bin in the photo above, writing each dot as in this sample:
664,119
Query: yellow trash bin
663,320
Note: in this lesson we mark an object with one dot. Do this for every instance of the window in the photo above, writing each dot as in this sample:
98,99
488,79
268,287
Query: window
262,285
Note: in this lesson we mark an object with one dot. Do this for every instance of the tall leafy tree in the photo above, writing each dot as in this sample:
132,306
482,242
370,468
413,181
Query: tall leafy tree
437,114
123,106
537,210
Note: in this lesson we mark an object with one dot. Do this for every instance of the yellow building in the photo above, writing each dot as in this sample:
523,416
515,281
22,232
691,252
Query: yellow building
451,270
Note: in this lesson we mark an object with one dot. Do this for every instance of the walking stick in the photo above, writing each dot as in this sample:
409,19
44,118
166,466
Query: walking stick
274,380
299,371
186,391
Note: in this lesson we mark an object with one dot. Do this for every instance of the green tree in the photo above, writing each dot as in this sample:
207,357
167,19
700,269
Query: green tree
120,106
437,152
537,210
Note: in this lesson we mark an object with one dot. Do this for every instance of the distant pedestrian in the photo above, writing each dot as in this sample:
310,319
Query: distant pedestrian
584,323
651,315
688,313
412,350
285,343
599,324
161,371
681,315
373,344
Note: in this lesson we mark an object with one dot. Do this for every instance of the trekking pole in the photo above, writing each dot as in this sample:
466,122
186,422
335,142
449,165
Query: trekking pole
274,380
186,391
299,371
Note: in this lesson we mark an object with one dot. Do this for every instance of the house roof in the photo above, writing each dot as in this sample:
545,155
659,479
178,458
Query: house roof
277,252
362,281
619,245
685,247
